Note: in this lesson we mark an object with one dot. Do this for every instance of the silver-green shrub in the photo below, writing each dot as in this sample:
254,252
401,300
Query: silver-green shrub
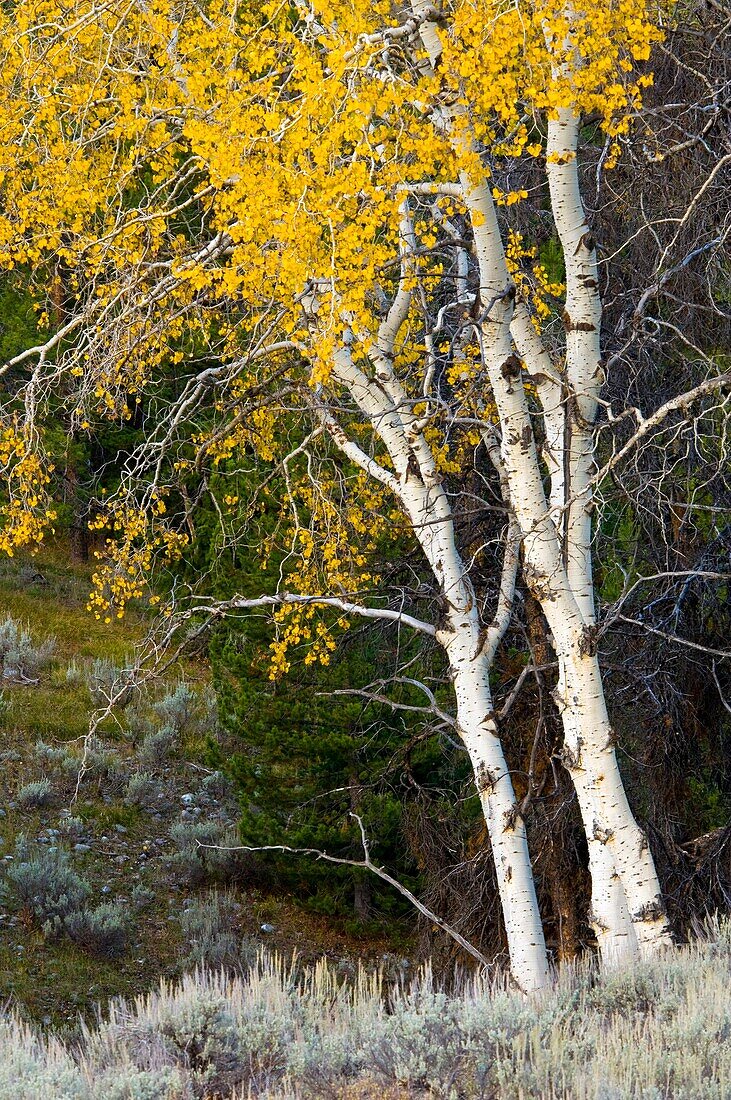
217,785
34,795
210,928
42,881
20,657
104,764
166,1083
102,931
208,851
179,709
425,1045
33,1068
141,896
101,764
146,792
106,682
74,674
191,1029
658,1030
157,747
72,827
52,756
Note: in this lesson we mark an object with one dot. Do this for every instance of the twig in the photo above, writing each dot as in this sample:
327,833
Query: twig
675,638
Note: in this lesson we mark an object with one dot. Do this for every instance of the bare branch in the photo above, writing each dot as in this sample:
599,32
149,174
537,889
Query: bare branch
367,864
709,650
220,608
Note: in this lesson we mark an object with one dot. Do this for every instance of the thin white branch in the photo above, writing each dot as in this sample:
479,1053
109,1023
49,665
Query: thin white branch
218,609
675,638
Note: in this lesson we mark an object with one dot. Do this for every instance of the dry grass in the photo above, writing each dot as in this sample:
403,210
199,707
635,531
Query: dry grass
661,1029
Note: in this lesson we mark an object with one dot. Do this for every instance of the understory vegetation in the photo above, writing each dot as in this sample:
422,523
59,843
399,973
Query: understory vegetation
109,888
660,1029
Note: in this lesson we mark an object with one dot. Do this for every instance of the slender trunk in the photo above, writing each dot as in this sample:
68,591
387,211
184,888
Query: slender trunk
417,484
362,900
506,828
609,915
78,528
468,651
362,893
588,736
590,742
557,552
592,762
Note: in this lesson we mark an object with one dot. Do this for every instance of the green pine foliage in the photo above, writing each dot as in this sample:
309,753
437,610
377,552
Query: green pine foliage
309,758
303,755
18,328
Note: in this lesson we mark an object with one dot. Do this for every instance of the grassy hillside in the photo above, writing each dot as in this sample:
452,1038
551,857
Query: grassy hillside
107,895
150,903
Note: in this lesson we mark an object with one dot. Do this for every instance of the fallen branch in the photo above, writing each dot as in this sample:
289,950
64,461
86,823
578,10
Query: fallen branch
368,864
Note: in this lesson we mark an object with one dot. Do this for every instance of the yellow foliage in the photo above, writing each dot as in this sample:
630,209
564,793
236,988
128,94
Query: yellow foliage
27,511
215,177
139,537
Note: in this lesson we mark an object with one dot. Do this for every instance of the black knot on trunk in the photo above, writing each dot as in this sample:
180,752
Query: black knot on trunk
511,368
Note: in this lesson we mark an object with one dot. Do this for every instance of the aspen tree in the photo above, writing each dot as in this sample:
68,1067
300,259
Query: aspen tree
287,233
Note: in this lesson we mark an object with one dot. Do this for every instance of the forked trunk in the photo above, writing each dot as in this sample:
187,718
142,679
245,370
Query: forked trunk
621,862
417,483
592,760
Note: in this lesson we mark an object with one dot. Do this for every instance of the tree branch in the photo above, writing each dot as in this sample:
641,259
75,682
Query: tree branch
367,864
221,608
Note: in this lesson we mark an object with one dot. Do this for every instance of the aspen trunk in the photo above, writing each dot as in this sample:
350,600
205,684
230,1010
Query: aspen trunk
469,650
557,553
417,483
609,915
506,828
612,832
620,852
466,649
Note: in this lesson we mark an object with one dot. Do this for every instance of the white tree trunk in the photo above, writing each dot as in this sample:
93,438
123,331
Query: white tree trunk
417,483
591,758
468,650
506,828
615,934
586,724
547,575
609,915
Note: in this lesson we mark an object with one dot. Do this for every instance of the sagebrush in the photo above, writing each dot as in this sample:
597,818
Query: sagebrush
659,1030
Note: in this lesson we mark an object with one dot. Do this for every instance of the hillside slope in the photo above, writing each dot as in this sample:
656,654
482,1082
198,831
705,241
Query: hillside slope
144,901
